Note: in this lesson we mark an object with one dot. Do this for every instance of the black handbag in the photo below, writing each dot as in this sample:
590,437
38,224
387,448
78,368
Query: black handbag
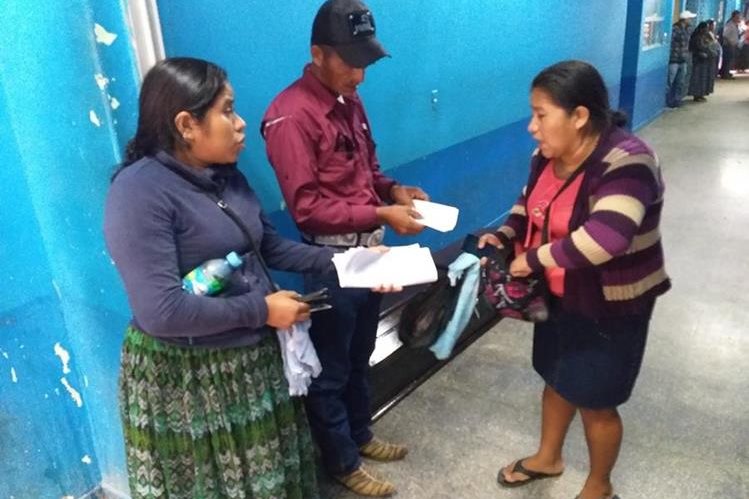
427,313
524,298
521,298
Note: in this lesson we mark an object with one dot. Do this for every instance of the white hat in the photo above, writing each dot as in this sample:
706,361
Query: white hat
687,15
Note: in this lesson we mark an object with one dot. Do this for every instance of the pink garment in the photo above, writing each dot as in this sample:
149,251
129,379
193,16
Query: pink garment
543,192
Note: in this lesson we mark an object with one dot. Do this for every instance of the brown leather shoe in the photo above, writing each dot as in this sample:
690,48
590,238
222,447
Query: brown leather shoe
361,482
383,451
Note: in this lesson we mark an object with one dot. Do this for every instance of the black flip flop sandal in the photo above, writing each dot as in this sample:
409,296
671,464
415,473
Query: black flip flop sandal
519,468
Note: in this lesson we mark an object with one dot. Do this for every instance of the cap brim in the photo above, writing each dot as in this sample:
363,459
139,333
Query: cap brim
363,53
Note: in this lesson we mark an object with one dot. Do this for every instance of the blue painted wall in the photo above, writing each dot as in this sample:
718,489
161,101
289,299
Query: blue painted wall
60,285
645,70
470,149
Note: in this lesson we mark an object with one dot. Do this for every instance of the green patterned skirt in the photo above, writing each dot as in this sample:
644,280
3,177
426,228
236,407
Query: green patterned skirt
212,423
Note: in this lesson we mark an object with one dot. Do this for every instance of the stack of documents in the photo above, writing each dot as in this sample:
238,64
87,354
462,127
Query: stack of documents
399,266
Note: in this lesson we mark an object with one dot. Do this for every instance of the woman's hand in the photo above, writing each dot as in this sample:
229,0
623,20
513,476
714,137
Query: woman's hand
285,309
491,240
385,288
519,266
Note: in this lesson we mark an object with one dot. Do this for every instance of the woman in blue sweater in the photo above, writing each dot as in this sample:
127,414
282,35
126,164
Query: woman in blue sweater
205,407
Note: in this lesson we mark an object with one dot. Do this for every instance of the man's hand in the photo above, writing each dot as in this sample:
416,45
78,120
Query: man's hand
404,195
403,219
285,309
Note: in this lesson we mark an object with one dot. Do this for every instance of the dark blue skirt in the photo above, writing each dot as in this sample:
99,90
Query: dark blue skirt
592,364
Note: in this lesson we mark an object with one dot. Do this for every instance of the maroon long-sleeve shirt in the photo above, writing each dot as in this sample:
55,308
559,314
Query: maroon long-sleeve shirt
320,146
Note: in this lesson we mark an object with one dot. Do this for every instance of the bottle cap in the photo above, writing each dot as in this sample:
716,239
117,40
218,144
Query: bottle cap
234,259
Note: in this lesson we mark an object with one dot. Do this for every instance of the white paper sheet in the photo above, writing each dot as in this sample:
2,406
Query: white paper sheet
400,266
439,217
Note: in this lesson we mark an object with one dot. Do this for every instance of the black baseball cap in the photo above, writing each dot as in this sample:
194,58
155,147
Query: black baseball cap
349,27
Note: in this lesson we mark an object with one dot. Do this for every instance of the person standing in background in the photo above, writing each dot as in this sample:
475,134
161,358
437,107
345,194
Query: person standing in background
716,41
678,60
742,60
731,39
705,50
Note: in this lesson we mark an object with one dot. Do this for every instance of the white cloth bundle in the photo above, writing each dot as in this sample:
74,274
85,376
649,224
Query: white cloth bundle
300,362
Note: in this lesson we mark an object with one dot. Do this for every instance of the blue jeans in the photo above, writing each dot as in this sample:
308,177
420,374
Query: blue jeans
677,73
338,404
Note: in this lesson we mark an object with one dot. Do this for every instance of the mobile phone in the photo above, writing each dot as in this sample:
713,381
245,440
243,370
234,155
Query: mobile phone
315,296
471,245
320,307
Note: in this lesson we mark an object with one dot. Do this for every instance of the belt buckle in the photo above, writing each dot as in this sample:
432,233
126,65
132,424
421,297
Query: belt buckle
347,239
373,238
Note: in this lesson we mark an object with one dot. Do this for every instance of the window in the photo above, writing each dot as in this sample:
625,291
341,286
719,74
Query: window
653,33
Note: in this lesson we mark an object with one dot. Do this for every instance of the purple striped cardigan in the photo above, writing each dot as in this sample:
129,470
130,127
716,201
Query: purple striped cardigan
613,255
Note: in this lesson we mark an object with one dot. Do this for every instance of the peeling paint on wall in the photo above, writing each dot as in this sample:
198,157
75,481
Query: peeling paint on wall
103,36
64,357
94,118
73,392
86,459
101,81
13,375
114,103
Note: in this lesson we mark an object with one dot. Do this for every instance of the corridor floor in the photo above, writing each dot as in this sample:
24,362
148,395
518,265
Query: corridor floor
686,427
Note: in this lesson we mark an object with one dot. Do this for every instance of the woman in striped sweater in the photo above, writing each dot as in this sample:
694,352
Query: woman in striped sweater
602,192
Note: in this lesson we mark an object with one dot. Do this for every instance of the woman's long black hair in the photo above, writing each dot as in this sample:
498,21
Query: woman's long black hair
576,83
700,30
173,85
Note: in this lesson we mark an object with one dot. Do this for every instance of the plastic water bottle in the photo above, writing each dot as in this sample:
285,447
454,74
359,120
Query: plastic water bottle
211,277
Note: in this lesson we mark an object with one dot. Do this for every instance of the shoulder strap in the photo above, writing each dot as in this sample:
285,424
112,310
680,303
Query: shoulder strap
231,214
567,183
246,231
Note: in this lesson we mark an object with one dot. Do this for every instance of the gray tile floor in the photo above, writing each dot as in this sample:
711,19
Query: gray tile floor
687,424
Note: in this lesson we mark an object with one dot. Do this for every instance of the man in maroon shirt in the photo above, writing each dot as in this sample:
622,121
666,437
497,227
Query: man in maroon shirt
319,141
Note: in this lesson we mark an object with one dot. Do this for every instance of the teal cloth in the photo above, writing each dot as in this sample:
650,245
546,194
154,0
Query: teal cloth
467,267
